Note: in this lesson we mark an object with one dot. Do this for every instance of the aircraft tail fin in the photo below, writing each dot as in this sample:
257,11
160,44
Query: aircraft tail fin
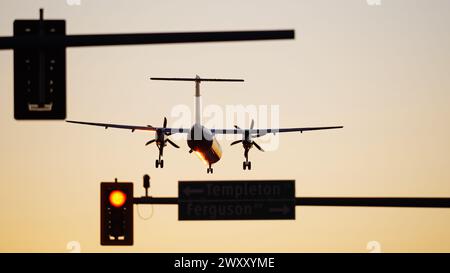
197,80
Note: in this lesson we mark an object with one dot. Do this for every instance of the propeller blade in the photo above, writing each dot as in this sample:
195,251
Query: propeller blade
165,122
252,124
172,143
237,127
235,142
258,147
150,142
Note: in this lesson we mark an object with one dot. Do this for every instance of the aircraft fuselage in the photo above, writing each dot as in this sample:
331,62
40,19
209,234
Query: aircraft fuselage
202,141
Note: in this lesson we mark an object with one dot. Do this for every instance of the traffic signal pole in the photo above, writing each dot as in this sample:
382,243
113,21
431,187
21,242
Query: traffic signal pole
405,202
156,200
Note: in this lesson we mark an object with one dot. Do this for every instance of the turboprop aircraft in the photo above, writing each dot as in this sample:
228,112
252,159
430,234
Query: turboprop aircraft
201,140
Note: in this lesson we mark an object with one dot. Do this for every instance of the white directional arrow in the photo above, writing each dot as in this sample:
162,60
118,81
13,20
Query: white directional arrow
284,210
188,191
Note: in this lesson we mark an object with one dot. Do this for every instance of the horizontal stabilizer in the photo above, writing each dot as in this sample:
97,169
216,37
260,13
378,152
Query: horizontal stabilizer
197,79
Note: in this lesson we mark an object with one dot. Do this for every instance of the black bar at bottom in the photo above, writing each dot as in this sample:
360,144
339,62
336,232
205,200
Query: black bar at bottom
227,262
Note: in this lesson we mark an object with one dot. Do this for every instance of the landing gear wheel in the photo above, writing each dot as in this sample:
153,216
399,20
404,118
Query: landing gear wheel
156,163
161,163
247,165
209,170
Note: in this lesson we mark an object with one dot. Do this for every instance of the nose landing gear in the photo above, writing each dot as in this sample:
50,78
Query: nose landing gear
159,162
209,170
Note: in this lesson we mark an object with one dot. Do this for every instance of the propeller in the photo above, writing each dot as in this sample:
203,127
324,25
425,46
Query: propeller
258,147
161,135
235,142
248,137
150,142
172,143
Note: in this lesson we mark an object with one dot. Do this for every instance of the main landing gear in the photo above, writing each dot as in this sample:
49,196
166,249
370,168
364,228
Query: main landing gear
246,164
161,139
160,162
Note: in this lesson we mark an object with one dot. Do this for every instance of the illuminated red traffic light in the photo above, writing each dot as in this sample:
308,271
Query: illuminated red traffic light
117,198
116,213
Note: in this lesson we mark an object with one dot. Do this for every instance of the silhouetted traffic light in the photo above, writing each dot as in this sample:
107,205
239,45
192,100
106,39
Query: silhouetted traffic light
39,71
116,213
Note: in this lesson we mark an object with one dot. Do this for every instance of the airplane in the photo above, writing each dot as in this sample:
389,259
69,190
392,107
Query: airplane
201,140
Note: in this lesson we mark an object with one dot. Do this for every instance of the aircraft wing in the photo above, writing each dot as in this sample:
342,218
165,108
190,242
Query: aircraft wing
261,132
132,127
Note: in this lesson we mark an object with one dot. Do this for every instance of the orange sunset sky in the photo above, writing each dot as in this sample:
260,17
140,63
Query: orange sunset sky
381,71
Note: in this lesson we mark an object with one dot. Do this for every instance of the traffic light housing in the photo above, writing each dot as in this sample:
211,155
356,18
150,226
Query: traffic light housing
116,204
39,71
